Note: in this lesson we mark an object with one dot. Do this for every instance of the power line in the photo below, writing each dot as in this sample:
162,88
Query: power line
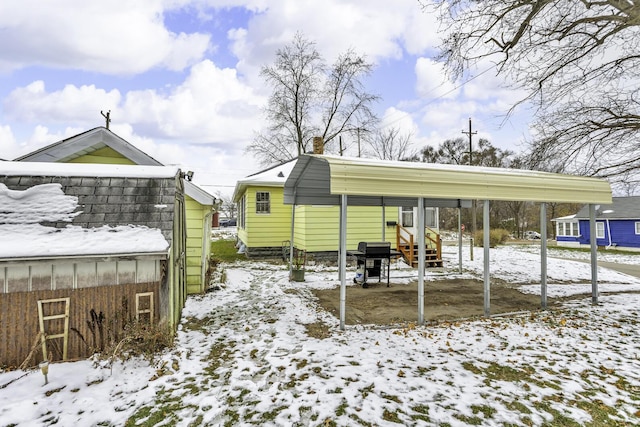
442,95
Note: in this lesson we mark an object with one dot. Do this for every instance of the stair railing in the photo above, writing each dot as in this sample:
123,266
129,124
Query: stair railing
405,242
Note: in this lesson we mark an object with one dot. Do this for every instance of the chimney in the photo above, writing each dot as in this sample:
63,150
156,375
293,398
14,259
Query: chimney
318,145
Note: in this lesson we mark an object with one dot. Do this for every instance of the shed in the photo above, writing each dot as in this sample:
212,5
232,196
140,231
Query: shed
345,181
102,146
85,249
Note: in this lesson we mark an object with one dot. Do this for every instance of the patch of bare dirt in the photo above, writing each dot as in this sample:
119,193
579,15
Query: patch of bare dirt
447,299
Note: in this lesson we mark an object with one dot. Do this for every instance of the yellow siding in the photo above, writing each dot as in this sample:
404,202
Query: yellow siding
196,215
103,156
266,230
321,226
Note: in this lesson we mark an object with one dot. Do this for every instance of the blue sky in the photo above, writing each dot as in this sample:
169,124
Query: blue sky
181,77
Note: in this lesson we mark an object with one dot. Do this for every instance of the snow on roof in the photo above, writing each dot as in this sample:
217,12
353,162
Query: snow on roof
22,235
86,170
275,176
564,218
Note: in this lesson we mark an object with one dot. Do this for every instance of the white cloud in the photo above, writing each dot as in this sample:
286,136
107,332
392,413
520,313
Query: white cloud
71,104
8,146
378,29
432,81
210,106
126,38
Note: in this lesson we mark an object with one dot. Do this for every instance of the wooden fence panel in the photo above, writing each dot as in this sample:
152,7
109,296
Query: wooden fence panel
19,324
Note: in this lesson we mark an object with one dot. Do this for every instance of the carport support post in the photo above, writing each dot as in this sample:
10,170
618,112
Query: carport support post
293,227
543,255
343,259
594,254
486,240
459,238
421,255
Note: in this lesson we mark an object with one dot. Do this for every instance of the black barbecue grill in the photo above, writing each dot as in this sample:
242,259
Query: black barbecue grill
370,256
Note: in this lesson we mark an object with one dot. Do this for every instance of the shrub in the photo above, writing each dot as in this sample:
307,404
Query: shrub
497,236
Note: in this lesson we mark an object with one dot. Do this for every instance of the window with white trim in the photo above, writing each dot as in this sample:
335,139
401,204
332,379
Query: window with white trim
407,216
637,227
263,202
430,218
568,228
599,230
575,228
242,213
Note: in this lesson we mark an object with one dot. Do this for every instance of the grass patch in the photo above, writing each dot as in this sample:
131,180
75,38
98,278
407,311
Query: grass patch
393,417
225,251
163,410
318,330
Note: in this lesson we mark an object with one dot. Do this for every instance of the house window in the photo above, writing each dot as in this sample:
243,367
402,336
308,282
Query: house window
430,218
599,230
637,227
575,229
242,211
407,216
263,202
568,229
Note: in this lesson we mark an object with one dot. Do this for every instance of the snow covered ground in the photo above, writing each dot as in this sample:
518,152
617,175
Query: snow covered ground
261,352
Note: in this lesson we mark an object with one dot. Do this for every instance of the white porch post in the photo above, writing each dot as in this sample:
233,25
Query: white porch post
486,240
421,256
343,259
543,255
594,254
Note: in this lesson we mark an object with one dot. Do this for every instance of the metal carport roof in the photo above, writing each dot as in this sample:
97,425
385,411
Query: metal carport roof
321,180
343,181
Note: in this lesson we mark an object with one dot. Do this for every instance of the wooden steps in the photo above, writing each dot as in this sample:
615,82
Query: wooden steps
431,259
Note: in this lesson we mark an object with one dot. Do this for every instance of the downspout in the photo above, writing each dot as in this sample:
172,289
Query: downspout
609,233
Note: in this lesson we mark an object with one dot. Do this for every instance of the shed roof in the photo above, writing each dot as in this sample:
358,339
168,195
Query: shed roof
274,176
100,137
86,143
620,208
321,179
49,210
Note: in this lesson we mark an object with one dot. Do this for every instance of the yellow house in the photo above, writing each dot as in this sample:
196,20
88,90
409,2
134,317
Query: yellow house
264,221
102,146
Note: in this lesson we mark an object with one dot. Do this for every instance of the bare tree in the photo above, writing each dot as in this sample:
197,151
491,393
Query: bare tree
390,144
579,62
227,206
311,99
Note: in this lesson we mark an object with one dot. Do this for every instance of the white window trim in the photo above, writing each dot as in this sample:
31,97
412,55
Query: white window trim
600,230
269,203
637,227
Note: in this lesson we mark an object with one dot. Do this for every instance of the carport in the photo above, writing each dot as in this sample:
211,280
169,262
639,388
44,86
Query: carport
346,181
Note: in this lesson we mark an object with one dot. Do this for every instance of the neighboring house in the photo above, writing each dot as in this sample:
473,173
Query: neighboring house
85,250
102,146
264,221
617,225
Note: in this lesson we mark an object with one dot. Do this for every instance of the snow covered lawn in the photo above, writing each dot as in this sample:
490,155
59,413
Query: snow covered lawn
260,352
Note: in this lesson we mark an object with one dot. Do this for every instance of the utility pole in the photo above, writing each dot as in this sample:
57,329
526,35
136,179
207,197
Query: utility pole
473,202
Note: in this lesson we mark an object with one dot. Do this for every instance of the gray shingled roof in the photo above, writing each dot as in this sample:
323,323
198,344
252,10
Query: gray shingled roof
112,201
621,208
